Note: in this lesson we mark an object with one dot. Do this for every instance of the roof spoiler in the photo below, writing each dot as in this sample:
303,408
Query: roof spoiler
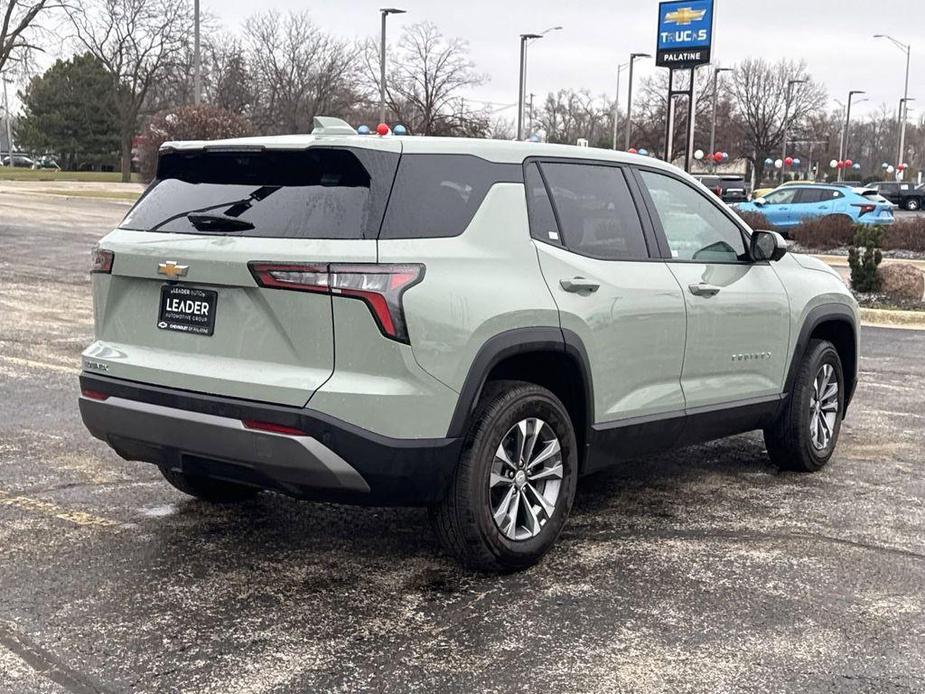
326,125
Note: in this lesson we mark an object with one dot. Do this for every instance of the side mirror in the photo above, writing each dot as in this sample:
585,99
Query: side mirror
761,202
767,245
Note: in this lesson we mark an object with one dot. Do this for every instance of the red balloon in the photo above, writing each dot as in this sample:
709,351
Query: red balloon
709,157
632,150
788,161
848,163
901,167
718,156
382,129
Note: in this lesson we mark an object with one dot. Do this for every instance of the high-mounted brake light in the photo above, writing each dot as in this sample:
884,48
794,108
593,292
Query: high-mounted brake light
379,285
101,260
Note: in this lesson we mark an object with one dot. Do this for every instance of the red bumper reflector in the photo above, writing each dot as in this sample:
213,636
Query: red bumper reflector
271,427
93,394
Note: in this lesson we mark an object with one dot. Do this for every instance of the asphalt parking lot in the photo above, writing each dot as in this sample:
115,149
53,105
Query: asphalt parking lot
703,570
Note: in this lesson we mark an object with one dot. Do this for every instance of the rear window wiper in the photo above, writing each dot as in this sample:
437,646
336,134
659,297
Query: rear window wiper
217,222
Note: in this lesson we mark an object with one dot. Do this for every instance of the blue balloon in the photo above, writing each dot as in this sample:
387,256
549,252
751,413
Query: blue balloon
363,130
644,152
399,130
534,138
884,165
796,162
768,161
856,167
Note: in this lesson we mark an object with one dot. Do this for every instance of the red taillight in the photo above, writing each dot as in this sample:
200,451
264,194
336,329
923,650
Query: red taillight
380,286
101,260
93,394
864,208
271,427
719,191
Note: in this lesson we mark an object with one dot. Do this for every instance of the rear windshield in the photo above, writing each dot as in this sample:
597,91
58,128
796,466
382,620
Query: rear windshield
318,193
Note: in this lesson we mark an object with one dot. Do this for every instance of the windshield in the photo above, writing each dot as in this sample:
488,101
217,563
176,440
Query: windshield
314,193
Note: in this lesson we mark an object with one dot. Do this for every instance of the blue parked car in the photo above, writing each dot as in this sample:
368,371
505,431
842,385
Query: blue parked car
788,206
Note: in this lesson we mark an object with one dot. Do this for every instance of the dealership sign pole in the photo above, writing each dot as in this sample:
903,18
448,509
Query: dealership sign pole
685,39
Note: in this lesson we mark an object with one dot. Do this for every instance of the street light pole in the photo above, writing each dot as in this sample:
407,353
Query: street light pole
843,154
907,49
716,72
629,99
616,104
197,60
786,123
521,91
385,12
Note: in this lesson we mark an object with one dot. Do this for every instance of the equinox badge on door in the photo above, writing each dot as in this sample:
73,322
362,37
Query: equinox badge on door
172,270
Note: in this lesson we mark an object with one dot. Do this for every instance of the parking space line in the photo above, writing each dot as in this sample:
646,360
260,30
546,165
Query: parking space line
39,364
47,508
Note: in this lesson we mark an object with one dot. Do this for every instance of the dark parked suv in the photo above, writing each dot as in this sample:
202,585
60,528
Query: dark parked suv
902,193
727,188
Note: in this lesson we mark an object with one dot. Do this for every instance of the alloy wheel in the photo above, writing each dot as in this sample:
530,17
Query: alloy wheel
823,407
525,479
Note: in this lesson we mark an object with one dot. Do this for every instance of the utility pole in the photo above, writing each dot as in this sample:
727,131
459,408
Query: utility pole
716,72
197,59
385,12
629,98
9,127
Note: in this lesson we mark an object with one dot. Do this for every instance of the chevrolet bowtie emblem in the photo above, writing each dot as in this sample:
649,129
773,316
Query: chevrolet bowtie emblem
172,270
684,16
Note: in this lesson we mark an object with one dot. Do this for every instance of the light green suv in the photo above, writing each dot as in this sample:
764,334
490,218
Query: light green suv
468,325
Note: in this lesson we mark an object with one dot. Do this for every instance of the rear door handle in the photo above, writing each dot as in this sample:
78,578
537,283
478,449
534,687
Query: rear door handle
703,289
579,284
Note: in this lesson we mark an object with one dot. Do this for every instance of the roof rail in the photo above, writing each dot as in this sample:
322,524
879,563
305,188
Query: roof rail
326,125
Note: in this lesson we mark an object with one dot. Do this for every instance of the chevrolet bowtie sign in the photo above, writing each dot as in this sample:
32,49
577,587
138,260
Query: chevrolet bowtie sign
685,33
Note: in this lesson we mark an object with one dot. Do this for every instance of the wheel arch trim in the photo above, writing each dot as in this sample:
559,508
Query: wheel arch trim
511,343
820,315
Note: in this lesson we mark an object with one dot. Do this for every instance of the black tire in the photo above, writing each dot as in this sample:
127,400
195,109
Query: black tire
911,204
789,439
207,489
463,519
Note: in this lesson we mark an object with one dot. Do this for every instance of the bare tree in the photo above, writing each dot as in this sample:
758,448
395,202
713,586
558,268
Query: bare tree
568,115
298,72
19,26
767,107
138,41
427,76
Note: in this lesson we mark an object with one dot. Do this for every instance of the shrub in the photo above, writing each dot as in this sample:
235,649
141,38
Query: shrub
755,220
203,122
906,234
824,233
864,265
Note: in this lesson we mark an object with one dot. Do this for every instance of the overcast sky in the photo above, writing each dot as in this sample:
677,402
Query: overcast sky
833,36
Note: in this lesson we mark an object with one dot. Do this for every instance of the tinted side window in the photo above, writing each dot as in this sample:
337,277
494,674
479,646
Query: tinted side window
437,195
781,196
807,195
596,213
695,228
543,225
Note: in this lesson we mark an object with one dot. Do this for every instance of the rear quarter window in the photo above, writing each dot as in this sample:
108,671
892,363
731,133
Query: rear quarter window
437,195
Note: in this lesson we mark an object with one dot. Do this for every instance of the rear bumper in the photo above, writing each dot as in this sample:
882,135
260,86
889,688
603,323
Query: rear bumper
203,434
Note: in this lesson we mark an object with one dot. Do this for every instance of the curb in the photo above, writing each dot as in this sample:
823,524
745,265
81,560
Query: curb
842,261
883,318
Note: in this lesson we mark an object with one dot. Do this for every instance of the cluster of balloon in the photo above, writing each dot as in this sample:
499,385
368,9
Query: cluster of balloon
641,152
382,129
846,164
714,157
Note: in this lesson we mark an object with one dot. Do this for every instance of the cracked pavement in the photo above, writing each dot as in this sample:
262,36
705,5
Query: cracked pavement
703,570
